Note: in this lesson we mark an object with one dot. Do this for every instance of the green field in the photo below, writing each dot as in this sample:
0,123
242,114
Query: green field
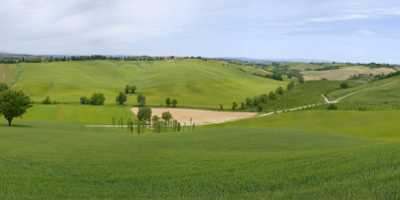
302,155
80,114
194,83
316,154
377,95
303,94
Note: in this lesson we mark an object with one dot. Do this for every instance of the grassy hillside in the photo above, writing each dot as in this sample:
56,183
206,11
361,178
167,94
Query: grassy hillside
193,83
304,155
377,95
303,94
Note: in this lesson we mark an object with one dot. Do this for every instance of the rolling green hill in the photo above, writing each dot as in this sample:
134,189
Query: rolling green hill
193,83
377,95
302,155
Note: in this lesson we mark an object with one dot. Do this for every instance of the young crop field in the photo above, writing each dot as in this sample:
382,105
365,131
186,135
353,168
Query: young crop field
193,83
303,155
377,95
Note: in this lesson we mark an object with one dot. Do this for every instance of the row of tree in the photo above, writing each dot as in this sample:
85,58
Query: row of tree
171,102
96,99
13,103
40,59
257,103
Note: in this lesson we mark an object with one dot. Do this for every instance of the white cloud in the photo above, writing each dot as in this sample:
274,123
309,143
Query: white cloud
340,18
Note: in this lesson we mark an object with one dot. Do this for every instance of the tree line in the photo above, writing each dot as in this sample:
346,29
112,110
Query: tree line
257,103
42,59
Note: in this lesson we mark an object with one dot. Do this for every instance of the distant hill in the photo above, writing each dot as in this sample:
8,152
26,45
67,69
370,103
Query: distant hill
13,55
194,83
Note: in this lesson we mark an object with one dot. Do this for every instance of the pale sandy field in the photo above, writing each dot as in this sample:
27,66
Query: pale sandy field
200,117
344,73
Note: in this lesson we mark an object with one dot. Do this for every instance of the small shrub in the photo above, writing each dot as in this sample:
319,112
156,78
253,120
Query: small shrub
121,98
97,99
332,107
84,101
344,85
47,101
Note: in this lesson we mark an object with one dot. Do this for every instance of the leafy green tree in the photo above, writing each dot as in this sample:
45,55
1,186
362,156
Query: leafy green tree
97,99
47,100
130,89
156,124
167,116
127,89
155,119
291,86
13,104
272,96
141,100
242,106
121,98
174,103
3,87
144,113
249,102
84,100
344,85
168,102
263,98
280,91
234,106
301,78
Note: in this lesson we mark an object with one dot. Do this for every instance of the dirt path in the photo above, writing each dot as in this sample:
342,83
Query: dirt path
201,117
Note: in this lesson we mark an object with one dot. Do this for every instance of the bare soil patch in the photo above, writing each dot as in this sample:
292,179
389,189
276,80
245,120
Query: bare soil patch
345,73
200,117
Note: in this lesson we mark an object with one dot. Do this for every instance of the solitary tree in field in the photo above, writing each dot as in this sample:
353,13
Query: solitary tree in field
234,106
141,100
121,98
168,102
13,104
174,103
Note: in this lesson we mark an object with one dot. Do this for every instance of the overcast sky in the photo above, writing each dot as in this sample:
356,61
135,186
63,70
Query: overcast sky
341,30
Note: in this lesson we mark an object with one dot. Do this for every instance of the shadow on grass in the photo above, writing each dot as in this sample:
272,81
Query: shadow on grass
16,126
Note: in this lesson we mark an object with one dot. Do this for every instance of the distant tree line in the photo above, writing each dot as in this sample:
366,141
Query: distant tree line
40,59
258,103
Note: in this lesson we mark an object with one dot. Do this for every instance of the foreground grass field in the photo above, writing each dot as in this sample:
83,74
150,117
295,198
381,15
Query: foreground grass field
302,155
194,83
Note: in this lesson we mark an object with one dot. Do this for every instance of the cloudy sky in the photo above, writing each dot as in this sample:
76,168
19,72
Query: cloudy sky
341,30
